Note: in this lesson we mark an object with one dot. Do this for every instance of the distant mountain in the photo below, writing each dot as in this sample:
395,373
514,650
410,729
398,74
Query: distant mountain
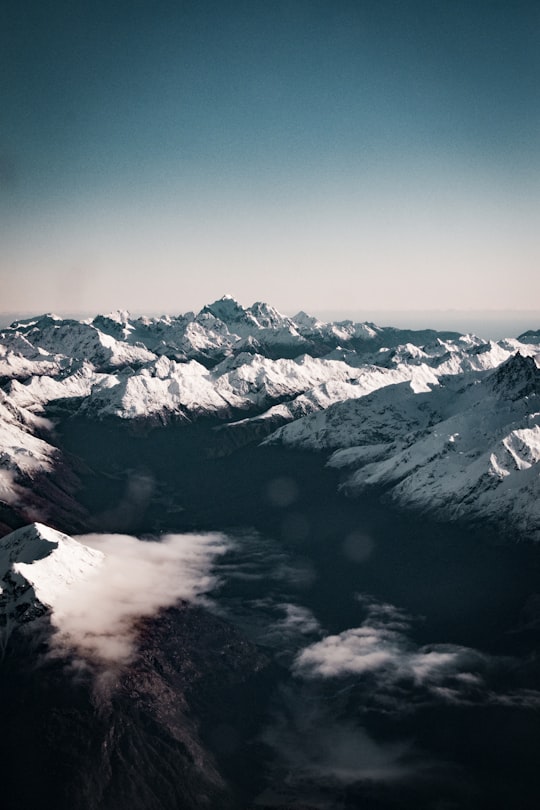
531,336
219,330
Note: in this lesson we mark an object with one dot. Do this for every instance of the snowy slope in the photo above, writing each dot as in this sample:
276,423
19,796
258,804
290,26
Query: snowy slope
243,382
37,566
19,359
470,448
40,390
78,340
23,454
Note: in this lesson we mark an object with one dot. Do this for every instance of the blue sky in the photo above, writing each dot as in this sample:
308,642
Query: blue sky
363,155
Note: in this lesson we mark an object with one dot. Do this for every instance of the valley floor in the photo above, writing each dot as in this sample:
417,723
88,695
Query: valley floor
405,650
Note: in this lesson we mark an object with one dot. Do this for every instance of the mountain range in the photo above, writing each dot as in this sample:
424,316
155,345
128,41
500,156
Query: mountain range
442,422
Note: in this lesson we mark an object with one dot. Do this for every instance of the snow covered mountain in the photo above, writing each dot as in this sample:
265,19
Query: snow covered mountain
219,330
223,361
467,448
37,565
383,397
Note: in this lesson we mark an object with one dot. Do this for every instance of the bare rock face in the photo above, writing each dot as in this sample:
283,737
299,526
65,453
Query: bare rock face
161,732
518,377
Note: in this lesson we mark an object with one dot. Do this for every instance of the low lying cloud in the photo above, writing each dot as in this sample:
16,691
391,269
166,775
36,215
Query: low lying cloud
317,746
98,617
9,491
397,673
288,633
298,619
368,649
260,559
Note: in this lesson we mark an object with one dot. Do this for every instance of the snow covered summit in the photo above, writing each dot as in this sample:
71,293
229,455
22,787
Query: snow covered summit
37,565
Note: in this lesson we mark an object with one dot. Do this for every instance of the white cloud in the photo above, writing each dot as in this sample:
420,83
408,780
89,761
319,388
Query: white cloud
298,619
381,648
98,618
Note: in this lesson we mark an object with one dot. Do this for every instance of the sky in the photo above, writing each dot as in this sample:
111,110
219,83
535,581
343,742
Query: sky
367,155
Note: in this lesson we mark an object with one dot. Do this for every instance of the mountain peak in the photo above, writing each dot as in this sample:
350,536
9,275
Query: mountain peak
268,316
530,336
41,321
37,564
519,376
224,307
28,544
121,316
